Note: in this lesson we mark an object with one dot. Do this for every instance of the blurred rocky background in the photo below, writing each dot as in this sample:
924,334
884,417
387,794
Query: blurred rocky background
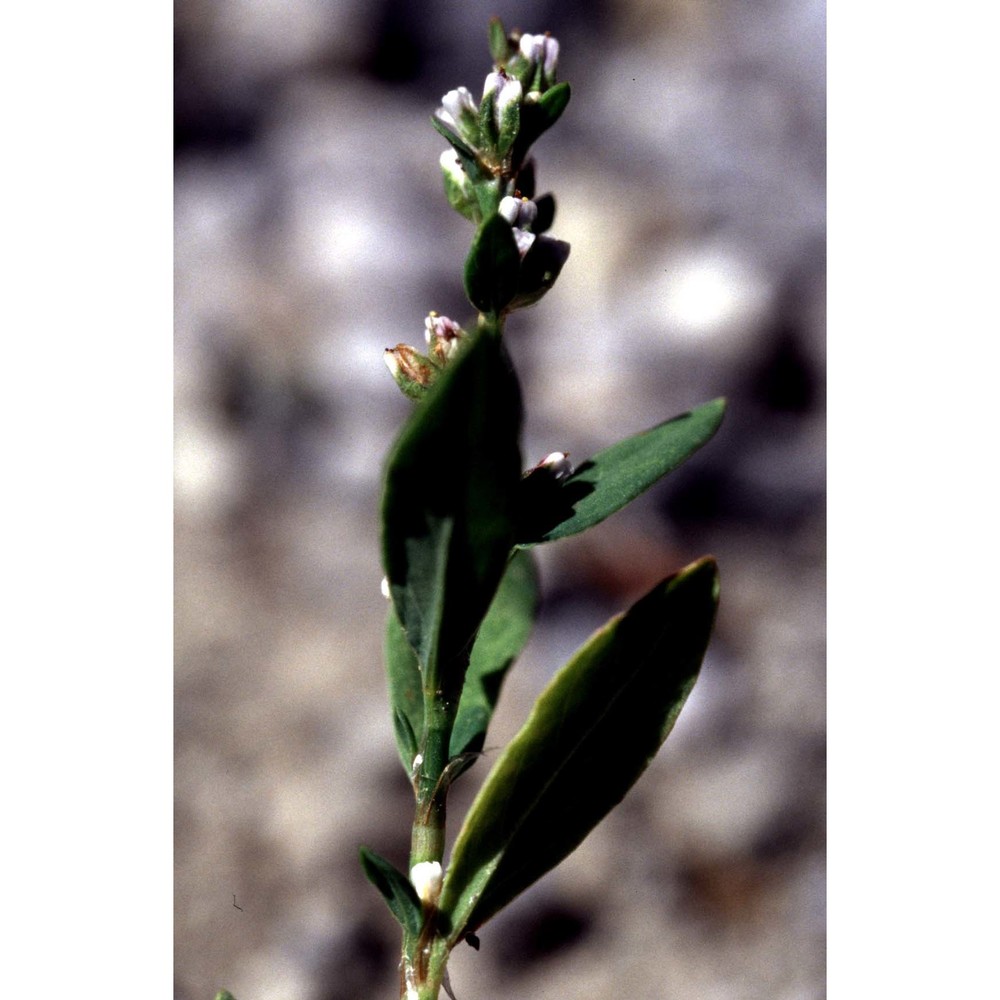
311,233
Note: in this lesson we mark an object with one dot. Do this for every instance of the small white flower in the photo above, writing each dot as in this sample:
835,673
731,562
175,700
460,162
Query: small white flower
558,463
506,91
426,877
521,214
456,105
494,82
524,240
510,93
509,208
542,49
385,587
452,166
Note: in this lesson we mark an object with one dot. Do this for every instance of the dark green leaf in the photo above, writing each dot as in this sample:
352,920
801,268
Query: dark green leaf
459,197
395,888
501,638
538,116
612,478
499,46
448,509
466,155
406,697
224,995
526,182
539,270
464,150
546,213
592,732
493,266
488,197
553,103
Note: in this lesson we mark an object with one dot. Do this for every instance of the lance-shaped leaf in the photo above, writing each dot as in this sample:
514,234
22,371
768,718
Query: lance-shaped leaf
539,116
590,735
467,156
552,509
448,508
499,44
493,266
539,270
501,638
395,888
546,205
406,696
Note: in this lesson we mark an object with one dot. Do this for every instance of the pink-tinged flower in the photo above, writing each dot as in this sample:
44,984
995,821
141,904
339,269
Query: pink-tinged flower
443,335
544,50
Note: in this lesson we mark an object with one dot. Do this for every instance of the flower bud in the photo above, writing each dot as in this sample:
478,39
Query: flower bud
426,877
457,186
502,97
412,371
520,213
558,464
458,111
443,335
542,51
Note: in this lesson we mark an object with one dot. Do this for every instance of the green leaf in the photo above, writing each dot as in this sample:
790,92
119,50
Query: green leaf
551,509
546,205
592,732
539,270
466,155
501,638
493,266
539,116
395,888
461,198
448,509
406,696
499,46
224,995
553,103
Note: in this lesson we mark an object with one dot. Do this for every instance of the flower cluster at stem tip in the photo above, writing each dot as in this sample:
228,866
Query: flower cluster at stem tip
488,174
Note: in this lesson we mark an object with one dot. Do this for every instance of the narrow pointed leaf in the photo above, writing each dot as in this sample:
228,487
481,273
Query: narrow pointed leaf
448,508
499,46
612,478
590,735
406,697
501,638
539,116
546,213
539,270
395,888
492,266
466,155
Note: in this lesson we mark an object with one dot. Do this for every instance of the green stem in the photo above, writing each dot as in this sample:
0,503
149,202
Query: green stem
423,969
425,957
